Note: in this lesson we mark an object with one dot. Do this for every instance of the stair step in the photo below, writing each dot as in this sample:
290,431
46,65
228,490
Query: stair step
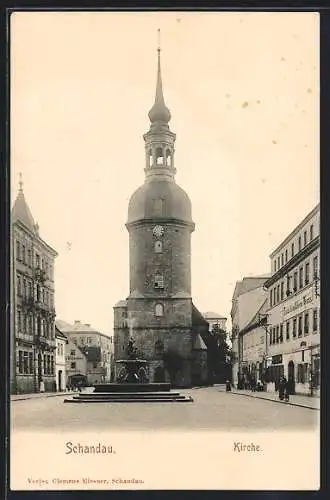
130,400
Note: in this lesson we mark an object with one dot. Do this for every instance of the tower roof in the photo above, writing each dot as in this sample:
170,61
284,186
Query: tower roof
21,210
159,112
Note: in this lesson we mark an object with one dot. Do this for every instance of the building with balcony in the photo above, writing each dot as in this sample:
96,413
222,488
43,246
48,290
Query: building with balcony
294,308
96,347
248,333
33,342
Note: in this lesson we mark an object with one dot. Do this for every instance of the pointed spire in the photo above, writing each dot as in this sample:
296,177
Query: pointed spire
21,210
20,184
159,112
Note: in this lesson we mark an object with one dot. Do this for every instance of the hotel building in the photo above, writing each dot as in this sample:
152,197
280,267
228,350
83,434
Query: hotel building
293,317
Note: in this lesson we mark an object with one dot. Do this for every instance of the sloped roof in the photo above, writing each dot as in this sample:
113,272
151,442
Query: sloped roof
199,344
213,315
62,325
198,318
255,319
59,333
121,303
21,212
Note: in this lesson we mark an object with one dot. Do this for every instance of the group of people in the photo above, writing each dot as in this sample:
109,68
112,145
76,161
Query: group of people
248,381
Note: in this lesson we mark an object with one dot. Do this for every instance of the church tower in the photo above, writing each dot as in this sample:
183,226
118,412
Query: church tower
158,311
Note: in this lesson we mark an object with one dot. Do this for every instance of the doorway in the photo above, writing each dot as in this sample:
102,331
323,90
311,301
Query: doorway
291,377
59,385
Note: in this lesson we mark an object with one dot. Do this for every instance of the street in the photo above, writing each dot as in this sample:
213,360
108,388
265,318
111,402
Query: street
212,409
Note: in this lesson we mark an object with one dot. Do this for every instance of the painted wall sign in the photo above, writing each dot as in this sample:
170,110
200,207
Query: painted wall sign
299,303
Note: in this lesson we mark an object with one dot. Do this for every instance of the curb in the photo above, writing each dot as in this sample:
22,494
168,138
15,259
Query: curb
276,401
26,396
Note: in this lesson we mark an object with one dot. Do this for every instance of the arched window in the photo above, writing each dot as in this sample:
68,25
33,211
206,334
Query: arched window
159,310
159,156
158,246
168,158
151,158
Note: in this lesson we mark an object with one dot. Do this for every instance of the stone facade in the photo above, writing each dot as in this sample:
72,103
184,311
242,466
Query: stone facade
158,313
33,346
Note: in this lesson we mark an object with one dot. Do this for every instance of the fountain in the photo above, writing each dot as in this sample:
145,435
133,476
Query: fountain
132,385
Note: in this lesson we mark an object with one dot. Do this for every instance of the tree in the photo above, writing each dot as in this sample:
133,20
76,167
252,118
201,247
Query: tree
220,354
173,362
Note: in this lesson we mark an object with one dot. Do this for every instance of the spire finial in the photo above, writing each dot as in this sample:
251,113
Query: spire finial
159,112
158,40
20,183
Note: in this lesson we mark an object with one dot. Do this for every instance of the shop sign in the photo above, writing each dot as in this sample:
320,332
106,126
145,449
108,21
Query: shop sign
276,360
300,303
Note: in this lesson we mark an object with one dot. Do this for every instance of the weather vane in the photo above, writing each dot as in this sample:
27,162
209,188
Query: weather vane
158,39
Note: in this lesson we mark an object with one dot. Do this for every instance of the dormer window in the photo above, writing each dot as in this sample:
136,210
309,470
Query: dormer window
159,281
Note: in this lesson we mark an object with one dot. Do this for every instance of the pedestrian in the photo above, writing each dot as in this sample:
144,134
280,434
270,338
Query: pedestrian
282,387
228,386
286,391
253,384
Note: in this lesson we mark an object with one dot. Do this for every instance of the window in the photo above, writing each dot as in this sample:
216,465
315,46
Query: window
159,156
315,266
271,337
19,285
73,366
20,361
287,330
271,298
315,320
18,250
94,365
295,281
305,238
158,207
168,158
299,243
286,256
288,279
29,258
301,373
294,327
30,363
26,362
282,259
311,232
306,273
19,321
89,340
278,262
292,249
74,341
301,277
282,290
159,281
275,265
277,334
306,323
23,254
300,326
158,246
159,310
37,260
281,332
72,352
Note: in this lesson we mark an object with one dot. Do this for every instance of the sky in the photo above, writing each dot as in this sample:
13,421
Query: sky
243,90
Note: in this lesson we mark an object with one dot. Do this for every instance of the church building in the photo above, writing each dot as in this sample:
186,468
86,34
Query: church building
159,313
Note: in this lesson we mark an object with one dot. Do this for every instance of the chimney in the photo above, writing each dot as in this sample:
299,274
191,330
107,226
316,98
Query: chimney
76,321
88,324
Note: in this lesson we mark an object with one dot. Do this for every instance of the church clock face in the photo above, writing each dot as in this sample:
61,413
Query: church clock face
158,231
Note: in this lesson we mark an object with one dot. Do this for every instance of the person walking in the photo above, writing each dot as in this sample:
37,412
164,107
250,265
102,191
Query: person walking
282,387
